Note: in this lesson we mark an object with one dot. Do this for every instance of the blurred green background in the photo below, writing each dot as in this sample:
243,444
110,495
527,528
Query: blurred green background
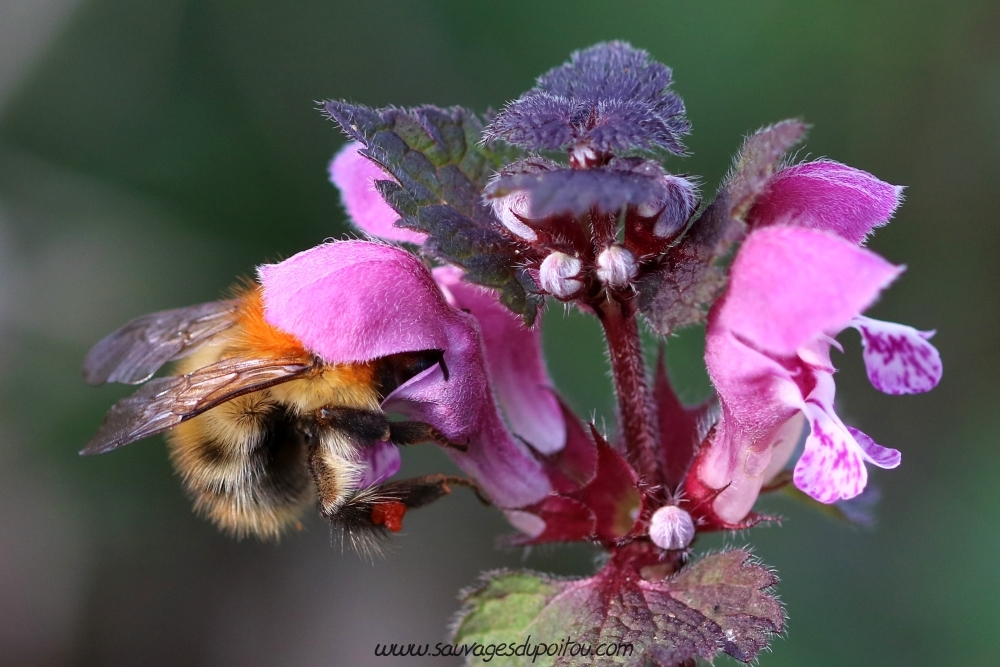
152,151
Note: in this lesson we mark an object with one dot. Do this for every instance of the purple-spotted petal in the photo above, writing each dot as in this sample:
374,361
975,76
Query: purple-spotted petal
832,466
515,361
898,358
355,176
381,461
788,285
829,196
874,453
354,301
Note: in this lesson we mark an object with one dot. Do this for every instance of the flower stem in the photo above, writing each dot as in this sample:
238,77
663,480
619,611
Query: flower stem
628,367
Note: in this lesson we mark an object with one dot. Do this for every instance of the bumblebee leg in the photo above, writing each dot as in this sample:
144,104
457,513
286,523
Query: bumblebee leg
362,424
383,506
411,433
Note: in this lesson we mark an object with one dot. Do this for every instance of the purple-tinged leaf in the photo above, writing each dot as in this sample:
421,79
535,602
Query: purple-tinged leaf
734,591
612,495
722,603
562,520
600,486
690,279
553,189
608,97
575,464
440,169
682,427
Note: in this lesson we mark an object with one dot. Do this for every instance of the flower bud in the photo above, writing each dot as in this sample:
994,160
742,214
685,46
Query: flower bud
582,156
673,209
558,275
509,207
671,528
616,266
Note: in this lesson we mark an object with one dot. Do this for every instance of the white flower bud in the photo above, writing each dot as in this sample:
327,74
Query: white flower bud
508,207
558,275
671,528
582,156
673,209
616,266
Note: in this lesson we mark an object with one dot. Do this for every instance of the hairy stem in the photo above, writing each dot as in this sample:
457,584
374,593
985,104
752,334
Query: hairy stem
629,371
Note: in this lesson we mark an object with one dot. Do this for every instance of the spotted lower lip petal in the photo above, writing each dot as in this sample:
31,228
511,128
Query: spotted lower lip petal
899,359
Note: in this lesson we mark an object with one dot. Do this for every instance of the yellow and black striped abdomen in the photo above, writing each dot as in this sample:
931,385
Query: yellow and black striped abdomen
245,463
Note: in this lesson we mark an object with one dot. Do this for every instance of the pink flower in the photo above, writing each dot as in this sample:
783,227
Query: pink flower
792,289
355,176
353,301
827,195
513,353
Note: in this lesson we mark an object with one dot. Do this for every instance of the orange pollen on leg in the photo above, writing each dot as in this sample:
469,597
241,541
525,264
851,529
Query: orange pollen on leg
389,514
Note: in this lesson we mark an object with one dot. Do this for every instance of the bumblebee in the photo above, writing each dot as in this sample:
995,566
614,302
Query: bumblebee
258,428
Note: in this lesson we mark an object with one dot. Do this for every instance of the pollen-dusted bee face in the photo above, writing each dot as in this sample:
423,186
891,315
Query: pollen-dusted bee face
258,428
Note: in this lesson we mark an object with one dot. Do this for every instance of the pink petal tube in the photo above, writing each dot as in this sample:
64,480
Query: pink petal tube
516,364
355,176
353,301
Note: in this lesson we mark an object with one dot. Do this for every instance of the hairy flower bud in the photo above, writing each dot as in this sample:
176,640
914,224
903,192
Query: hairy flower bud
582,156
671,528
558,275
616,266
508,209
673,209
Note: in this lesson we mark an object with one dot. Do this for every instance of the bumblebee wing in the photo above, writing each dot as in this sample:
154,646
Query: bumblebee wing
133,353
165,402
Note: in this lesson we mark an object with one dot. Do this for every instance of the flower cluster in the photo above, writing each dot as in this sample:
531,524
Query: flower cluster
774,266
472,228
613,235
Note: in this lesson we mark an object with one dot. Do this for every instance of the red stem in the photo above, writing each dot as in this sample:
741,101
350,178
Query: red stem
628,368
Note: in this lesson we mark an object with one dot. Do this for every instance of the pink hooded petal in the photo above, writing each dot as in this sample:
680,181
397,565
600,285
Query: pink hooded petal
832,466
788,285
355,176
381,462
516,365
883,457
898,358
829,196
354,301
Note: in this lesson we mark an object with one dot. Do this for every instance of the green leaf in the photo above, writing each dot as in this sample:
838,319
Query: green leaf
720,604
441,168
691,276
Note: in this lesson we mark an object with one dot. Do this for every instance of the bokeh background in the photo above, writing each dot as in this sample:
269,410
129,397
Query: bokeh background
151,151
